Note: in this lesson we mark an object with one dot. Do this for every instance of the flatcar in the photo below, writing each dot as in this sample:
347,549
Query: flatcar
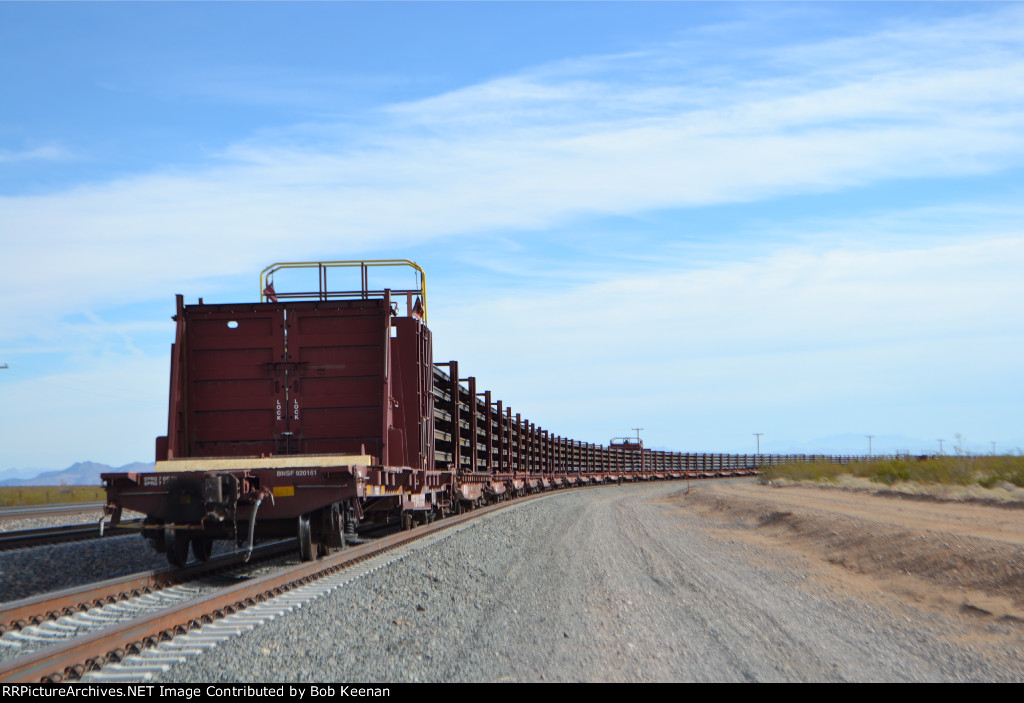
308,413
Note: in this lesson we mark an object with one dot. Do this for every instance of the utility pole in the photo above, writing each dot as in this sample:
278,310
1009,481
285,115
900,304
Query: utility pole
759,435
637,430
993,449
870,437
940,447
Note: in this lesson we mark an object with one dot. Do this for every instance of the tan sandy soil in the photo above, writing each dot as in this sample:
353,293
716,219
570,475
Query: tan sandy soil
952,556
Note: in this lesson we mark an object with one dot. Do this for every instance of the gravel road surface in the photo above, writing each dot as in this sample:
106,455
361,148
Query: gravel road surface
631,583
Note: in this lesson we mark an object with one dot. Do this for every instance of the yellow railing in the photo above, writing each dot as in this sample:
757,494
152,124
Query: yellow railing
266,277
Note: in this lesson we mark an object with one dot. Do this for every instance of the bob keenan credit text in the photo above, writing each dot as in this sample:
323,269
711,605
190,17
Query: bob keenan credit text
189,692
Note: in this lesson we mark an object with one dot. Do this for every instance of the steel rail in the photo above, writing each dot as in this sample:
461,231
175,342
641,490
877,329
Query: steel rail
21,511
72,659
37,536
37,609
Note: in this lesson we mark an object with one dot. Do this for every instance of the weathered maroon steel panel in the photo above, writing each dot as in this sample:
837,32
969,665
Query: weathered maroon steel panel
411,405
336,385
288,378
232,398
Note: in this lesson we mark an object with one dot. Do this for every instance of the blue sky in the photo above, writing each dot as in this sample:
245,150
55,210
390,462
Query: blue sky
706,220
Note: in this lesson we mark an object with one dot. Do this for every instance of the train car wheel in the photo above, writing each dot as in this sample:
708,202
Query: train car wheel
406,520
176,544
308,548
202,547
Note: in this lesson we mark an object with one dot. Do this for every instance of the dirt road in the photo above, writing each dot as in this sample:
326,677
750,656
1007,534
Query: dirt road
963,557
730,582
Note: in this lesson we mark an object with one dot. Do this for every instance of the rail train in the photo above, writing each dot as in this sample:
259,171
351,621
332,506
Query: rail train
309,413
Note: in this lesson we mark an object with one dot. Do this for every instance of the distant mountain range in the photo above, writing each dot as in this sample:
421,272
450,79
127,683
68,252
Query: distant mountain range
83,473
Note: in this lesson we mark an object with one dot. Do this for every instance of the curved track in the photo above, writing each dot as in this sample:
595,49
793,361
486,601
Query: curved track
76,657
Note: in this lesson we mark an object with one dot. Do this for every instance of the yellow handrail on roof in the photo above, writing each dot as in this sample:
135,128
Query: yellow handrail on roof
323,293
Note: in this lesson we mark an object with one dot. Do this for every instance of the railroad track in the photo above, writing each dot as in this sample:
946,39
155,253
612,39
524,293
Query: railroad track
34,625
46,510
38,536
83,656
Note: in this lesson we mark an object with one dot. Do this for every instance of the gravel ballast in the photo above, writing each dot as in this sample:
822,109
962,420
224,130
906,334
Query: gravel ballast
609,584
35,570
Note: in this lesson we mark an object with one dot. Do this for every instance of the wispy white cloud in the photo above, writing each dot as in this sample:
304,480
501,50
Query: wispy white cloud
48,152
725,68
763,340
529,150
272,86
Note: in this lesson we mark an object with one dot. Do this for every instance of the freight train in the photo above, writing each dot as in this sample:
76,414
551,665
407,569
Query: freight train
309,413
